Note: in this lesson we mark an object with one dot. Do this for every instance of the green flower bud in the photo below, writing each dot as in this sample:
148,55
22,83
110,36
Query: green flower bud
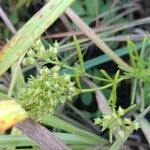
55,75
31,60
42,49
31,53
127,121
121,134
136,126
24,62
45,70
120,111
56,86
48,84
97,121
55,50
45,92
72,89
107,117
56,68
67,77
56,44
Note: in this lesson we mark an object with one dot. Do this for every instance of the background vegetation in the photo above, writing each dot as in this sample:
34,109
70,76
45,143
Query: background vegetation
114,22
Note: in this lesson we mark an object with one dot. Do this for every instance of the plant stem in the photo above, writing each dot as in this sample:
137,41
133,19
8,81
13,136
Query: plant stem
59,63
100,88
95,77
133,93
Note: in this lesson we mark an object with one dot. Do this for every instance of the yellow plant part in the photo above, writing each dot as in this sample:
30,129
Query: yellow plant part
11,113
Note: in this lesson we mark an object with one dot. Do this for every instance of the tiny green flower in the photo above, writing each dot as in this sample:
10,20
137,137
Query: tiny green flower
127,121
38,51
98,121
115,120
120,111
136,126
121,134
45,92
31,53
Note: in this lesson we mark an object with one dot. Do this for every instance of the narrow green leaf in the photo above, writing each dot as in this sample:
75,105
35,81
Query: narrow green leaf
8,140
60,124
104,58
113,96
31,31
77,77
130,50
133,90
105,74
78,49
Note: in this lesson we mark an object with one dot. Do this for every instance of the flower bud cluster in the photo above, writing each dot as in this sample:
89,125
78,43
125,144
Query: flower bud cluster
38,51
45,92
115,120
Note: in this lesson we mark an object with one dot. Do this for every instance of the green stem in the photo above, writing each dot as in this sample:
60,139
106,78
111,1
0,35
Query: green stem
142,97
59,63
133,93
95,77
100,88
96,89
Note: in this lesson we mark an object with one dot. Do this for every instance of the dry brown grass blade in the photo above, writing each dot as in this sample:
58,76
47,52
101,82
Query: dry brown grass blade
42,136
7,21
145,127
95,39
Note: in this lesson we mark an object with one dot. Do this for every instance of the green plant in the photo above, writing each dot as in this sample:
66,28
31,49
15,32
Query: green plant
55,82
40,90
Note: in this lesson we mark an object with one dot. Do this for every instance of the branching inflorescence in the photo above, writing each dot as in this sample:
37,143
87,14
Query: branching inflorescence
50,88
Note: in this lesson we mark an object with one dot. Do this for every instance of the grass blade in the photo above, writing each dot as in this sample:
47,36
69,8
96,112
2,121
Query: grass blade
31,31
